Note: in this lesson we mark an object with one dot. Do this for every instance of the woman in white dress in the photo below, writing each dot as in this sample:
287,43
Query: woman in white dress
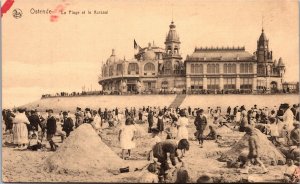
182,124
20,132
126,136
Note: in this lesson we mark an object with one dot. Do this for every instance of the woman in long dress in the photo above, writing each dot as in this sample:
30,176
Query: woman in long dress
126,136
20,132
182,124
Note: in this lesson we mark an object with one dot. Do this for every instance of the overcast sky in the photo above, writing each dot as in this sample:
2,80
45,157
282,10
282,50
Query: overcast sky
40,56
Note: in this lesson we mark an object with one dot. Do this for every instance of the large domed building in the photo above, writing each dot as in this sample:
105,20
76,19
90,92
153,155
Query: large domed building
222,69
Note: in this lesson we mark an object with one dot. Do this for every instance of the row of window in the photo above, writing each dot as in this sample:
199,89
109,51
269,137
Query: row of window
227,68
214,83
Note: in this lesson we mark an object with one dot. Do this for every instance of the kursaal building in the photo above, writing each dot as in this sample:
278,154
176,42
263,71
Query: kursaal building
221,69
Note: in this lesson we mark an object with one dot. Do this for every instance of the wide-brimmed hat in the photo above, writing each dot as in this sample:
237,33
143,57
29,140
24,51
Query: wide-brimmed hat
296,123
285,105
78,108
65,113
49,110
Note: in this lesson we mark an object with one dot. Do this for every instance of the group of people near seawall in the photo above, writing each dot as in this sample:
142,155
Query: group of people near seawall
27,129
173,91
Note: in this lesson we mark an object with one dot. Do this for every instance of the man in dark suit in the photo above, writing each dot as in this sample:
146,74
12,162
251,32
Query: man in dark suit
35,122
68,124
51,129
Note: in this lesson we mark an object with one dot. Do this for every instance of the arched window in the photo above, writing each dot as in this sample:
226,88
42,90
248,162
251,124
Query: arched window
209,68
175,50
105,72
169,50
192,68
242,69
233,69
119,69
149,67
200,68
111,70
164,85
250,68
196,68
133,68
229,68
217,70
225,68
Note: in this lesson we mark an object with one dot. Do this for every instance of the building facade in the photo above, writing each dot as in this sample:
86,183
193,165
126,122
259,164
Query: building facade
207,69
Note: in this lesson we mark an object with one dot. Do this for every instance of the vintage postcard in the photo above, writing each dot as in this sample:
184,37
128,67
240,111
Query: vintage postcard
156,91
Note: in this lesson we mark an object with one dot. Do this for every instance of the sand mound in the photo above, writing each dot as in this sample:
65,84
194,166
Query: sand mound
83,151
268,153
224,130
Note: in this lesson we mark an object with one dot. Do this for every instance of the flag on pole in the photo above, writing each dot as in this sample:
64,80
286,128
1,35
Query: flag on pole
136,46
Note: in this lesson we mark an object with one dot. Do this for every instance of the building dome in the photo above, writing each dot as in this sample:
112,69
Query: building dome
113,58
275,62
172,35
149,55
280,62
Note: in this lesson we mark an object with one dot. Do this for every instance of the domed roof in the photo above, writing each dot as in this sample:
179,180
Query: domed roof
113,58
149,55
280,62
172,35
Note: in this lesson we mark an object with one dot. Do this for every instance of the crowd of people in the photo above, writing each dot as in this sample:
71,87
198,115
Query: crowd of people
26,129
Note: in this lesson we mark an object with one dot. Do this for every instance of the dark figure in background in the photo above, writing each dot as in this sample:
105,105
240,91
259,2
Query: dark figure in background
51,129
150,121
189,110
35,122
116,111
140,116
228,110
105,114
200,123
68,124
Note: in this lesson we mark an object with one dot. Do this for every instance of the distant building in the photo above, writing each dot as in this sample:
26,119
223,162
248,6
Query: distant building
225,69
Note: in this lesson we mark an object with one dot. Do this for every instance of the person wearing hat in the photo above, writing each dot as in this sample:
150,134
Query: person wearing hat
183,122
67,124
51,129
295,134
253,150
244,121
290,170
160,122
78,117
150,120
20,131
200,123
96,121
127,136
161,151
288,116
35,122
8,117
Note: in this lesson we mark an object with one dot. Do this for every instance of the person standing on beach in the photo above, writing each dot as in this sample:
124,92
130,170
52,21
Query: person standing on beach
51,129
67,124
150,120
253,151
200,123
127,136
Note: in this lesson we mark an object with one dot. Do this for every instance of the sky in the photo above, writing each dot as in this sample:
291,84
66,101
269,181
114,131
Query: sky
40,56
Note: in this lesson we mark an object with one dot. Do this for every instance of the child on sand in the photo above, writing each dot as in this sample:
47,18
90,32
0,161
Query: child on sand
150,176
289,171
253,150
